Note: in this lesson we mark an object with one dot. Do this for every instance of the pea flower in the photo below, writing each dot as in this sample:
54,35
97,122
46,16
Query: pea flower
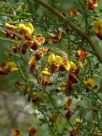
73,66
10,27
92,4
16,132
82,54
73,12
12,66
32,131
90,83
97,28
26,29
55,59
56,38
69,102
40,40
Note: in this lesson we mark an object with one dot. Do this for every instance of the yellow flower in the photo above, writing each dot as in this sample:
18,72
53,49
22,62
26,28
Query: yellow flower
45,71
12,65
68,66
78,120
97,28
57,59
73,66
27,28
51,58
30,26
90,83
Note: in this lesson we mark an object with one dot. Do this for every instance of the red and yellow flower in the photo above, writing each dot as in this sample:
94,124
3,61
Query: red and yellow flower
32,131
92,4
73,12
97,28
90,83
26,29
59,61
16,132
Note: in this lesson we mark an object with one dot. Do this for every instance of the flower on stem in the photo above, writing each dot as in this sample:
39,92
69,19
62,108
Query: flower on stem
90,83
40,40
69,102
68,114
57,37
92,4
34,45
41,53
82,54
4,69
12,66
73,66
10,27
59,61
55,59
24,48
33,64
16,132
26,29
97,28
32,131
73,12
65,65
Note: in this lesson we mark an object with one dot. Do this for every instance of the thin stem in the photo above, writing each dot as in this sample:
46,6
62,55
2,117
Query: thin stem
75,27
53,103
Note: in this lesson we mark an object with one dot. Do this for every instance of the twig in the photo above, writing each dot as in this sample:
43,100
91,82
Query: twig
74,26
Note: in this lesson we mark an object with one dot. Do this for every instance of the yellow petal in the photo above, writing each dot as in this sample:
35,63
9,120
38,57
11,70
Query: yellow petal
51,58
73,65
29,25
12,65
78,120
68,66
14,69
27,28
21,26
90,83
45,71
32,60
58,60
97,28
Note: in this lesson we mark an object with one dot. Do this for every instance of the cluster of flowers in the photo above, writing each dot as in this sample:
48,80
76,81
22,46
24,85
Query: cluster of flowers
31,132
54,63
97,27
91,4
